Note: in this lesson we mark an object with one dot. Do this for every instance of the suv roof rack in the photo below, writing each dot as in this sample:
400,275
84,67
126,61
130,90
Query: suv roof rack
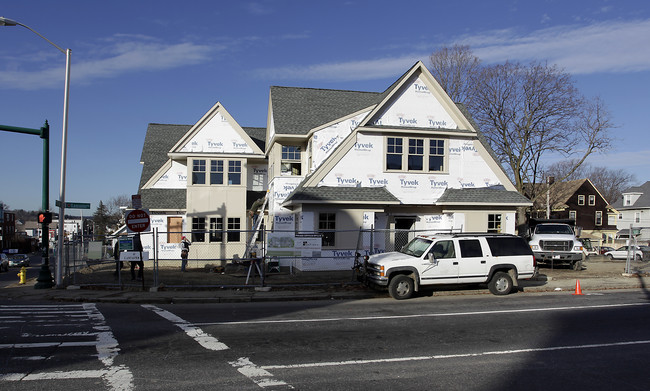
463,234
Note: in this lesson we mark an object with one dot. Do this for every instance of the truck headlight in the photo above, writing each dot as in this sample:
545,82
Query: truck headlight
534,247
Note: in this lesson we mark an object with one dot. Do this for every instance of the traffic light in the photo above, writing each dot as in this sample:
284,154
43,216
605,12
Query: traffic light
45,217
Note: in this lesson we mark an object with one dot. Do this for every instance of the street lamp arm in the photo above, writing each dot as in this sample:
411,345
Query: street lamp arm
8,22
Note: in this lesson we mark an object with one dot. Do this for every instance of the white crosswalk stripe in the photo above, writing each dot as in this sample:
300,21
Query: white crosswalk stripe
85,329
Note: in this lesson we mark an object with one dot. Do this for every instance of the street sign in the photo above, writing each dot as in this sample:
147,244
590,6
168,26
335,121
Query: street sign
74,205
137,220
136,201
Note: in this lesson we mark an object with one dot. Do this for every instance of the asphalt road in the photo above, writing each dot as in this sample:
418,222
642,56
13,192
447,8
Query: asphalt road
536,341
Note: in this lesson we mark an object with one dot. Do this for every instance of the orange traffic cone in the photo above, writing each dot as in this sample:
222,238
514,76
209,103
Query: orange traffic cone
578,289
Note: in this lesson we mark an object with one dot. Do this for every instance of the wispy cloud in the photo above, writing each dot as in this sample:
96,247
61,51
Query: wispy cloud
344,71
614,47
122,54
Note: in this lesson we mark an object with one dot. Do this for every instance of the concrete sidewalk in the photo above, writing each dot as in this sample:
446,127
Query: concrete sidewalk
598,274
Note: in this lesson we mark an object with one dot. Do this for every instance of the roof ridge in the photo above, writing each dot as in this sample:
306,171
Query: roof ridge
328,89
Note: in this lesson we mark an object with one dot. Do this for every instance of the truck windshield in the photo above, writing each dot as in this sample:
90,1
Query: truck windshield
416,247
554,229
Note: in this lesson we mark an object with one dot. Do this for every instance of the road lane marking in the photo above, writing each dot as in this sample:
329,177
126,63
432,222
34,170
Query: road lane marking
243,365
204,339
259,376
448,356
413,316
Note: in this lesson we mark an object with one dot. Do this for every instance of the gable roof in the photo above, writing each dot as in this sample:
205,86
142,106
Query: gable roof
159,141
297,110
642,202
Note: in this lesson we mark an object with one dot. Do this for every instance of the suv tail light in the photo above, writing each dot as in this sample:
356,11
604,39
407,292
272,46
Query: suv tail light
534,261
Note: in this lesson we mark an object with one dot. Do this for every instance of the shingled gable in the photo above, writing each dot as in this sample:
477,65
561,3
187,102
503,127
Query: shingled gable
158,141
217,119
458,113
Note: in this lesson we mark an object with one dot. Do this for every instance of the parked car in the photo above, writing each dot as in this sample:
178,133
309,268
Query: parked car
604,249
621,253
4,262
18,260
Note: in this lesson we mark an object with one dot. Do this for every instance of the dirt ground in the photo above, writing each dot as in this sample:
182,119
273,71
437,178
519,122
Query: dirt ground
103,275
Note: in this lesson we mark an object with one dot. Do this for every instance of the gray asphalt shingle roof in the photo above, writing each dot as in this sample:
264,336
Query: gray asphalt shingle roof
341,194
298,110
642,202
482,195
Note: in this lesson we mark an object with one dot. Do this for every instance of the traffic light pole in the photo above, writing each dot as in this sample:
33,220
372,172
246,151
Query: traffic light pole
44,279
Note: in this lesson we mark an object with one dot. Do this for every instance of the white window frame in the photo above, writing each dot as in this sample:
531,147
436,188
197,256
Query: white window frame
581,200
592,200
599,218
417,148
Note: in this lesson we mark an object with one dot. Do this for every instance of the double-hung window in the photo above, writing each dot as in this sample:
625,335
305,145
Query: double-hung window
581,200
216,172
394,152
592,200
291,160
234,172
216,229
416,154
198,172
234,229
327,225
436,155
198,229
599,217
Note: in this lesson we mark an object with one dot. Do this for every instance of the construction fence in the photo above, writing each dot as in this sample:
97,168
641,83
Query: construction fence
228,259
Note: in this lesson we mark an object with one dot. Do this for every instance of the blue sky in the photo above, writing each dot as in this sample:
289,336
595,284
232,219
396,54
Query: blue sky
138,62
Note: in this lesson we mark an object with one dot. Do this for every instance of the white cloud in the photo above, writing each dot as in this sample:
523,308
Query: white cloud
615,47
611,47
343,71
119,57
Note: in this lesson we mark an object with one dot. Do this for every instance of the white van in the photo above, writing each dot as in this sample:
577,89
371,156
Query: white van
496,259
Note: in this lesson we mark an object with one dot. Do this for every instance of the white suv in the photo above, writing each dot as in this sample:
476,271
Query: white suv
496,259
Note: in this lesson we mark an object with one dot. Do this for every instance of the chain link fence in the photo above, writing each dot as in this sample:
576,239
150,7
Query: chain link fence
227,258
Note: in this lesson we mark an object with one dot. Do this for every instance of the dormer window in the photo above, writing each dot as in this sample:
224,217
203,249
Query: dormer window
291,160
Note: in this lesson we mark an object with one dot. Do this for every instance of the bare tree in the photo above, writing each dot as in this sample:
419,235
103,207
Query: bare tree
527,112
455,68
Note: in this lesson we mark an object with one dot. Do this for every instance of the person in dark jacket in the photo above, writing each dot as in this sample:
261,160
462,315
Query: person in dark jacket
185,251
137,246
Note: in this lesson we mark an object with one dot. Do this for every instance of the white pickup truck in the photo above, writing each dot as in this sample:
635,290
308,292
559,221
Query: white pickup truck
556,244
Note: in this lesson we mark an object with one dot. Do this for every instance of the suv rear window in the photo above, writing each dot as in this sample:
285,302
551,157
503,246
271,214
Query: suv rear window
508,246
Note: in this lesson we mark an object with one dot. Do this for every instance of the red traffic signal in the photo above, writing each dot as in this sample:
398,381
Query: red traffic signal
45,217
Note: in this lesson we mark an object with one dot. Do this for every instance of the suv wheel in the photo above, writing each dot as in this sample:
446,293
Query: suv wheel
401,287
500,284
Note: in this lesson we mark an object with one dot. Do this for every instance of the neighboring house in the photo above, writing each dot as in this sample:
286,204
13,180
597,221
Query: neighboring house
332,161
577,200
7,230
633,209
